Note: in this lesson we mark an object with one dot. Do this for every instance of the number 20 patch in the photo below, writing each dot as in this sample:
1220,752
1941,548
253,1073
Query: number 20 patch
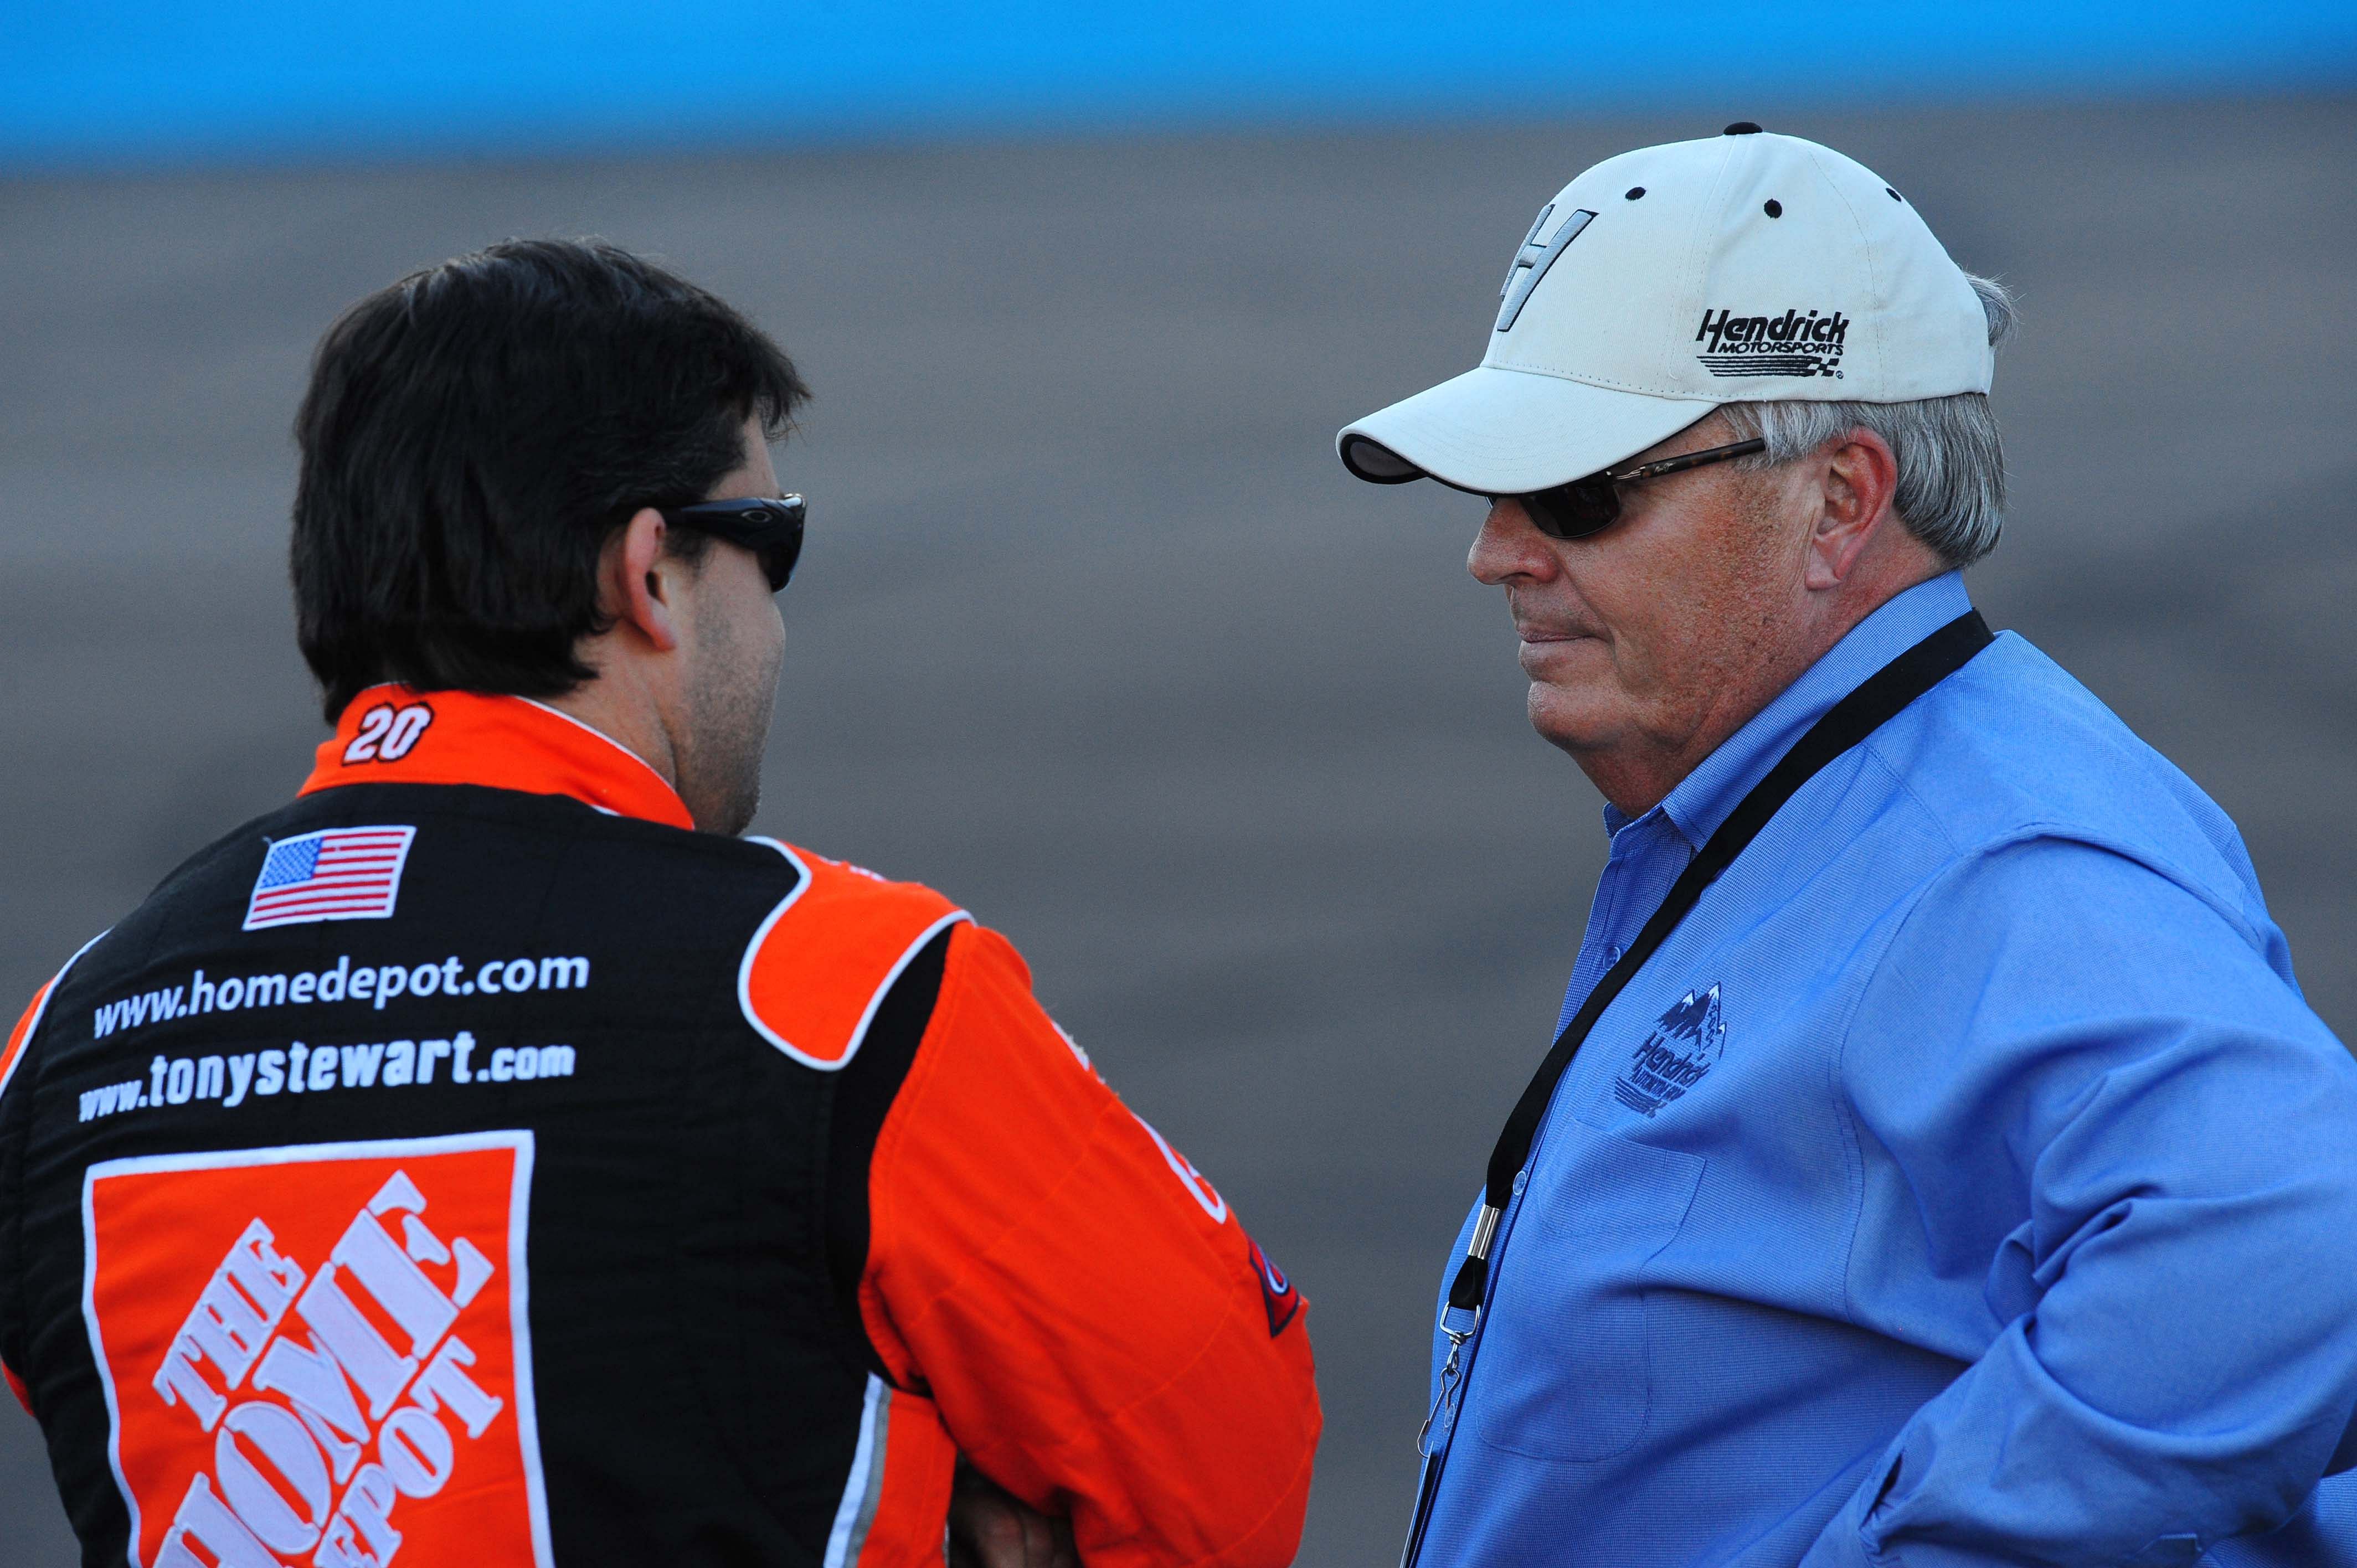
320,1355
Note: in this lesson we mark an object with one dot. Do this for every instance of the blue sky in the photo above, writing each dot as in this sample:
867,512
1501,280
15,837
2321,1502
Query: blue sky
137,82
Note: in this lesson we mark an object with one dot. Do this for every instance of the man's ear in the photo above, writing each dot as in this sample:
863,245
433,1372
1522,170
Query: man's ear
1861,479
638,585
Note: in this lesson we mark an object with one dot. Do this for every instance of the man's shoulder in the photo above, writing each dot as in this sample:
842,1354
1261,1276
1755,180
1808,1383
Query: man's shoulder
2012,749
2064,872
820,967
847,900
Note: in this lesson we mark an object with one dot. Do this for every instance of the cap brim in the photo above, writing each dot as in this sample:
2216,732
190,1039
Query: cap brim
1500,432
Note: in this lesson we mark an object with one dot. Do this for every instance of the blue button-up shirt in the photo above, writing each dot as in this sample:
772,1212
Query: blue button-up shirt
1964,1183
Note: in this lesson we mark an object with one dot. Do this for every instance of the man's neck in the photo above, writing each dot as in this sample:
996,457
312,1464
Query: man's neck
626,718
1637,777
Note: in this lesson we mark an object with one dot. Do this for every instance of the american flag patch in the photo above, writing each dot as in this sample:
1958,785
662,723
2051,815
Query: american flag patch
337,873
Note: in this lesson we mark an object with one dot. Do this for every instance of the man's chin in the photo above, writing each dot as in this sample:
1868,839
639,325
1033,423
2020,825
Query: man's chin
1572,722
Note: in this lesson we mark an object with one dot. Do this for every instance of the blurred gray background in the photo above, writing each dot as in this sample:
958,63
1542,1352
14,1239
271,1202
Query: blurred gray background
1095,633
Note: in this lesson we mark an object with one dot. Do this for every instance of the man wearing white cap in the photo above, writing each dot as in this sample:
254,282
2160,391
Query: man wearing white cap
1936,1165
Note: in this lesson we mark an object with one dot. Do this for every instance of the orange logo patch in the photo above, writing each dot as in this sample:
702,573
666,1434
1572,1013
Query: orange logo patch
320,1355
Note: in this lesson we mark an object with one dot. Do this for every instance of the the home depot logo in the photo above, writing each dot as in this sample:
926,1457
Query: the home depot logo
304,1347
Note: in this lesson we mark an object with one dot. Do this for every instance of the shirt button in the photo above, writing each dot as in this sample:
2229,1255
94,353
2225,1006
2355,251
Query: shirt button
1522,1180
1614,955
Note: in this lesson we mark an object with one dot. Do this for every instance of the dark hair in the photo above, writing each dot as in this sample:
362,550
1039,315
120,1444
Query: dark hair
475,433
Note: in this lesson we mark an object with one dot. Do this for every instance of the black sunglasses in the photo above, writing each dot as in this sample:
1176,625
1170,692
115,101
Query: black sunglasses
1593,504
769,526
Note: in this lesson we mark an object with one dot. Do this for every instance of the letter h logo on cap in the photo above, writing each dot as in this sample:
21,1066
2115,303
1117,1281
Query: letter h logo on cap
1533,260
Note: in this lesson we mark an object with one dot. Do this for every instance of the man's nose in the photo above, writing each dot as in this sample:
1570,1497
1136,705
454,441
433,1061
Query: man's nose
1509,545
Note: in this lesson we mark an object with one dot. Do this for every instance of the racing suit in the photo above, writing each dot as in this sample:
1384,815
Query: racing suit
470,1162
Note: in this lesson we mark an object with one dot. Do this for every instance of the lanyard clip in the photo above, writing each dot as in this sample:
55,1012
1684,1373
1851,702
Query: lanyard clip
1464,1295
1452,1372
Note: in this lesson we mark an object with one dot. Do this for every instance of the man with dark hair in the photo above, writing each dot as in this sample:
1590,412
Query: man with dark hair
475,442
489,1157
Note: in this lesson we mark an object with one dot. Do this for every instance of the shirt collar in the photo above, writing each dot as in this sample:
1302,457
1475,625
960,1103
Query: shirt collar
499,742
1709,796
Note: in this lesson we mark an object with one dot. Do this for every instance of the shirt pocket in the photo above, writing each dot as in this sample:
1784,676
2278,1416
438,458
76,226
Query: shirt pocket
1565,1364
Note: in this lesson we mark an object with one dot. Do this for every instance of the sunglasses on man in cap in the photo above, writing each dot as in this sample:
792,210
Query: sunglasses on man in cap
1591,505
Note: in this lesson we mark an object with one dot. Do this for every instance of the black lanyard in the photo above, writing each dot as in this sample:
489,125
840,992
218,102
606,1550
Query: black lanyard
1850,721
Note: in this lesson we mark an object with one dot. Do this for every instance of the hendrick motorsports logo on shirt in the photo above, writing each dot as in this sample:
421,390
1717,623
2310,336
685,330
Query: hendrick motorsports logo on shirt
1796,343
1684,1045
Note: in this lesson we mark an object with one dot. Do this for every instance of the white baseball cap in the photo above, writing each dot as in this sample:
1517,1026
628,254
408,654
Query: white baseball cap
1664,282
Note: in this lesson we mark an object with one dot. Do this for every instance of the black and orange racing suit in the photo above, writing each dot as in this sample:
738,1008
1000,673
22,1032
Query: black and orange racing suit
470,1164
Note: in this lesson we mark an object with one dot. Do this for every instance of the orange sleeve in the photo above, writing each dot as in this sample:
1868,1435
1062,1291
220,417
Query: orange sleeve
10,1054
1099,1334
23,1032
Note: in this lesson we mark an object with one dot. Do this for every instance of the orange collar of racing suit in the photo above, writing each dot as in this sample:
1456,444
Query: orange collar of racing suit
396,734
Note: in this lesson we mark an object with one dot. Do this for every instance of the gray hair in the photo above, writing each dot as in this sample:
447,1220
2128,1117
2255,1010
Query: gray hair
1951,463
